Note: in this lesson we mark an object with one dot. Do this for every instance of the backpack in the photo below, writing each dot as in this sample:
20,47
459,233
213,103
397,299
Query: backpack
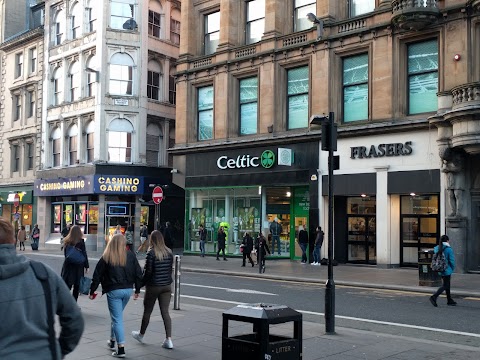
439,262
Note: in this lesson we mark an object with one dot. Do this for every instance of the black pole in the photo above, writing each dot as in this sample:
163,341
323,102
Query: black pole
330,286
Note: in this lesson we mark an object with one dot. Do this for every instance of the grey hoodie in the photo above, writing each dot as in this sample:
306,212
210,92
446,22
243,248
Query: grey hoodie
23,311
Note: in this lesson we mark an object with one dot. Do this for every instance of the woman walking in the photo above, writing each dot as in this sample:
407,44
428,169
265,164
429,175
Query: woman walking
444,247
247,244
118,271
76,259
221,240
22,236
157,276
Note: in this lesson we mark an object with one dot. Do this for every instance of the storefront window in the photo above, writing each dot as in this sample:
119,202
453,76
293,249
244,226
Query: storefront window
361,205
83,214
424,204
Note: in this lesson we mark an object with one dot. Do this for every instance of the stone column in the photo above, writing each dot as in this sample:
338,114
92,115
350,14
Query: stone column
385,4
457,232
230,19
273,18
383,219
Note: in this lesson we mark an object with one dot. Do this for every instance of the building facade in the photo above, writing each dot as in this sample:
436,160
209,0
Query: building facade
108,116
391,72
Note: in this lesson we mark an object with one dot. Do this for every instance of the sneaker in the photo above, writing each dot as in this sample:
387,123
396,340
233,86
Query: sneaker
136,335
167,344
451,303
111,344
433,301
314,263
225,259
120,353
303,262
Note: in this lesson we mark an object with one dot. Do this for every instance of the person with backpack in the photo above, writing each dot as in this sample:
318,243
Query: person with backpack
443,258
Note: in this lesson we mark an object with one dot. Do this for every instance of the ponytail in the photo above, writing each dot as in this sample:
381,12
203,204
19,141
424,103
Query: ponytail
443,238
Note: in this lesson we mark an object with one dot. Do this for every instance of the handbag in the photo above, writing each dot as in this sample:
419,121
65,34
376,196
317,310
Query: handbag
74,255
85,283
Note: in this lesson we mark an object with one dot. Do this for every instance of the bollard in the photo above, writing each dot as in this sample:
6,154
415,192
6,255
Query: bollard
176,294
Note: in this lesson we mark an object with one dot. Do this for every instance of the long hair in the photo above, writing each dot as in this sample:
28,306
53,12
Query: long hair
157,243
115,253
443,238
74,236
7,235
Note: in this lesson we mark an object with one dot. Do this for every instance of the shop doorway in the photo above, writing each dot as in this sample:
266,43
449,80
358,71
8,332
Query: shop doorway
362,239
118,214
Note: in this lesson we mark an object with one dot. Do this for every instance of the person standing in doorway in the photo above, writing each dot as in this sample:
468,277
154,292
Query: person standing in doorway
202,234
303,243
22,236
221,240
445,248
318,245
276,230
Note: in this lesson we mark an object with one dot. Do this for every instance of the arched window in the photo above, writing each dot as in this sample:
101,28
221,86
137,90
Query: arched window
121,74
74,81
90,137
91,16
59,26
156,19
57,86
91,76
175,26
154,145
120,141
154,81
75,21
72,145
56,147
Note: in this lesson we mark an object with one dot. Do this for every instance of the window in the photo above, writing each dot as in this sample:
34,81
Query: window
122,16
33,60
18,65
57,86
56,147
15,158
302,8
355,88
58,28
255,21
205,113
154,80
297,94
75,20
212,32
154,137
91,76
121,74
17,110
72,145
359,7
175,31
120,141
172,90
30,155
74,79
90,141
31,103
153,23
248,106
422,77
91,17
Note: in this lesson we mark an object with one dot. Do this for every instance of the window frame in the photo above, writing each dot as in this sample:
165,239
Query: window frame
120,81
75,23
207,34
72,149
175,31
58,28
33,54
151,87
30,155
172,90
245,104
56,153
17,106
91,17
18,65
248,22
74,81
31,103
351,4
57,86
154,29
128,149
205,110
15,157
90,146
112,16
367,82
289,96
296,17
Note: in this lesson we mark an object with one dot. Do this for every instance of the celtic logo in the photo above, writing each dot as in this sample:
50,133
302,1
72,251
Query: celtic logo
268,159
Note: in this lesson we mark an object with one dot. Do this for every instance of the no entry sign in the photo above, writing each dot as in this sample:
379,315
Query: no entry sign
157,195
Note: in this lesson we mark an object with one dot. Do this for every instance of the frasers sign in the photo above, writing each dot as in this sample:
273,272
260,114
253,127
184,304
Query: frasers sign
397,149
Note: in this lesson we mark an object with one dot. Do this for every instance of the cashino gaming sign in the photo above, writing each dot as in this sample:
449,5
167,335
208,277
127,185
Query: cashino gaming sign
266,160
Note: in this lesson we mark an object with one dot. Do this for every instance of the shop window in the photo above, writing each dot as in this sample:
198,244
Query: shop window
422,77
211,32
302,8
32,54
355,88
18,65
120,141
359,7
15,157
91,16
205,112
72,145
122,16
297,97
255,26
75,21
58,27
154,80
30,156
31,103
121,74
153,23
175,31
248,106
92,218
91,76
57,86
56,147
74,81
172,90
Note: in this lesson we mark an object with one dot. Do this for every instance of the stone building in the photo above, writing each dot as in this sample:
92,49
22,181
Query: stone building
250,76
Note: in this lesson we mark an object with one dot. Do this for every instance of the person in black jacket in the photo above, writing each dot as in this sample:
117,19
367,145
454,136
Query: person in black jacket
202,233
262,248
72,272
157,276
221,240
303,242
247,247
168,235
118,271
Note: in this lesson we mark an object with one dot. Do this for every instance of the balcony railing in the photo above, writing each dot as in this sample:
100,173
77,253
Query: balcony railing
414,14
466,95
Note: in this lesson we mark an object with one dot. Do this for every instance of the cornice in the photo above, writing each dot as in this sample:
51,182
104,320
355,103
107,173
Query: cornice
19,40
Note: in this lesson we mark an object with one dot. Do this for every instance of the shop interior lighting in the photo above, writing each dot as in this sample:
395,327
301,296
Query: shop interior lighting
413,194
363,195
260,190
289,194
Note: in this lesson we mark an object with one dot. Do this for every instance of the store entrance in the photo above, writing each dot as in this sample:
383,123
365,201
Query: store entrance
362,239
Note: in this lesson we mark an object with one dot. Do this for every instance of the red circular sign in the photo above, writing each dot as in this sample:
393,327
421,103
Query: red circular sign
157,195
16,200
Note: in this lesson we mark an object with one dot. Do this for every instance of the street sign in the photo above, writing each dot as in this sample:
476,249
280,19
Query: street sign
157,195
16,200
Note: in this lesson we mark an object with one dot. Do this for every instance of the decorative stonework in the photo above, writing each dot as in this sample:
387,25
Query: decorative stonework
246,52
414,14
466,95
352,25
202,62
294,40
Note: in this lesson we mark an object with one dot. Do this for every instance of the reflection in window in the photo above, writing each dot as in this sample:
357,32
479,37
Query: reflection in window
255,21
153,23
302,8
420,204
120,141
355,88
297,102
359,7
205,113
74,79
212,32
121,16
121,74
422,76
248,106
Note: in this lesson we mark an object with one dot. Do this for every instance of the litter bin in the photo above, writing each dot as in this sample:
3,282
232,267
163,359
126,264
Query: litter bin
260,344
426,276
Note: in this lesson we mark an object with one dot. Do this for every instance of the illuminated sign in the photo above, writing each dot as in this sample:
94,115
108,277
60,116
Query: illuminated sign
118,184
63,186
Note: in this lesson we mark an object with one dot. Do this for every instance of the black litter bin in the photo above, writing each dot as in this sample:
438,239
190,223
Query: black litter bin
426,276
260,344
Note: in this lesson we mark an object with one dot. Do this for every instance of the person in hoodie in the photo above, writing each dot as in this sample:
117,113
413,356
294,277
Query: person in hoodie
23,309
444,246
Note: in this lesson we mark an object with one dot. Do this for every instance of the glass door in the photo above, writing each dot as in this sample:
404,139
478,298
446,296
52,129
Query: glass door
362,239
418,232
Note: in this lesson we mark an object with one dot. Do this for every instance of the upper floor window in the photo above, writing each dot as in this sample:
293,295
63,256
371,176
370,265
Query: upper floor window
121,74
422,76
91,16
30,155
212,32
17,110
31,104
91,76
15,158
72,145
359,7
18,65
122,15
57,86
172,90
33,60
355,88
58,27
175,31
154,145
297,97
153,23
75,20
205,112
255,21
248,106
120,141
90,137
56,147
302,8
74,79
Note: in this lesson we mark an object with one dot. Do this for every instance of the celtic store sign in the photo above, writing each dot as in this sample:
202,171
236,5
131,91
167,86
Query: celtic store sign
267,159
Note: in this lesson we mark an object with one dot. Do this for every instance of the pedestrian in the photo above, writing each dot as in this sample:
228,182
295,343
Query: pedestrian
28,308
168,235
202,233
129,237
221,240
276,230
143,237
64,234
247,246
118,230
445,248
262,248
22,236
318,245
118,271
303,243
157,278
72,270
35,237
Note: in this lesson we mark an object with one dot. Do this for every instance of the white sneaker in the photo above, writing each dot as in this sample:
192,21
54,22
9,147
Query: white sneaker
314,263
168,344
136,335
318,264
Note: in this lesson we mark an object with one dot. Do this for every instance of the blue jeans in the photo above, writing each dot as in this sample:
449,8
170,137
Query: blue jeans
316,254
117,300
304,251
276,238
202,247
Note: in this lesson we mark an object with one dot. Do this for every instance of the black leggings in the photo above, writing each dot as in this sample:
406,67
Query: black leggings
445,287
247,255
76,291
163,294
218,252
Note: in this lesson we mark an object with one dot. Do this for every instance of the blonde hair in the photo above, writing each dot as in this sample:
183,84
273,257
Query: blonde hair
157,243
74,236
115,253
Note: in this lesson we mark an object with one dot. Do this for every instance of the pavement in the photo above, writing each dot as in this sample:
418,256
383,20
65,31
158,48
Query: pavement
197,329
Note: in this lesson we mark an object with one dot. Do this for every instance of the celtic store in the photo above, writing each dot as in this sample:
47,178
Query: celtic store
245,190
